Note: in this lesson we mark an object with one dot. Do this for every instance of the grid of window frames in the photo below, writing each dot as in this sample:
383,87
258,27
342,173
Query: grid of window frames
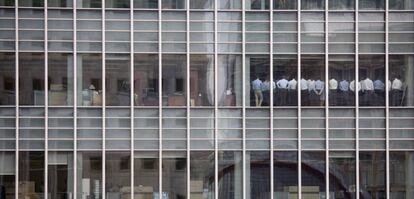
212,99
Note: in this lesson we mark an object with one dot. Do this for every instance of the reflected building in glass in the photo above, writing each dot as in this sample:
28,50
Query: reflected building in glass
206,99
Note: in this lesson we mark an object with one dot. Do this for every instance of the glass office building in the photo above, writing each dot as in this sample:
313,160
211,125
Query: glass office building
206,99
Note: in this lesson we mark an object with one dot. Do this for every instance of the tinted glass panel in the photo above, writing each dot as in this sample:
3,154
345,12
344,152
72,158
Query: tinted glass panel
285,174
31,174
146,82
7,174
174,80
202,175
341,73
401,73
89,79
372,174
312,83
229,80
7,79
174,171
371,80
285,72
202,80
60,82
118,84
257,80
146,168
89,181
258,174
60,175
313,174
31,85
118,174
230,169
401,175
342,173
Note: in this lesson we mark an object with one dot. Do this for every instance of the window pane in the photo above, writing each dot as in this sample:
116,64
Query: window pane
313,174
401,175
313,80
118,84
174,170
7,174
60,82
229,80
230,171
31,85
401,5
230,4
174,80
342,173
371,76
372,174
284,5
60,175
146,86
7,79
89,3
31,174
257,4
90,79
258,174
201,4
117,3
202,80
341,73
341,4
59,3
6,2
313,4
118,174
285,73
285,174
89,172
146,174
401,76
146,4
371,4
31,3
202,174
173,4
257,80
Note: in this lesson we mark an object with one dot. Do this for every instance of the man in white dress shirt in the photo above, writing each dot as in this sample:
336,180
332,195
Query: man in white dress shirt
304,92
282,86
333,92
367,88
292,93
257,85
346,98
313,98
396,94
319,91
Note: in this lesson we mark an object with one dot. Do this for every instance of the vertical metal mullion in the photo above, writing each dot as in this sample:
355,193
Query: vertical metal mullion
16,65
188,94
356,100
131,94
160,99
299,103
326,98
244,99
46,100
75,102
271,102
387,107
215,101
103,103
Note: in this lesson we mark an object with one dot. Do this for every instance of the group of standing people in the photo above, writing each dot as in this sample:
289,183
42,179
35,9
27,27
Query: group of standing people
284,92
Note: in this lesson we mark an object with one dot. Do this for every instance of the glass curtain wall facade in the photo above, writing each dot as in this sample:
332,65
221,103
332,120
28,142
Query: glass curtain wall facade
207,99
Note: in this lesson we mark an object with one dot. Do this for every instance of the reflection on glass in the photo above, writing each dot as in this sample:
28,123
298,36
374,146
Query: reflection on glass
89,175
146,175
202,174
174,180
59,3
258,174
401,82
284,5
230,174
201,4
118,175
401,5
285,73
313,174
341,73
229,80
257,80
257,4
7,79
89,3
117,3
372,174
7,3
145,3
31,3
31,174
202,80
118,84
146,80
285,174
371,80
401,175
312,83
7,175
173,4
372,4
313,4
342,173
229,4
89,79
60,175
174,80
60,79
31,84
341,4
